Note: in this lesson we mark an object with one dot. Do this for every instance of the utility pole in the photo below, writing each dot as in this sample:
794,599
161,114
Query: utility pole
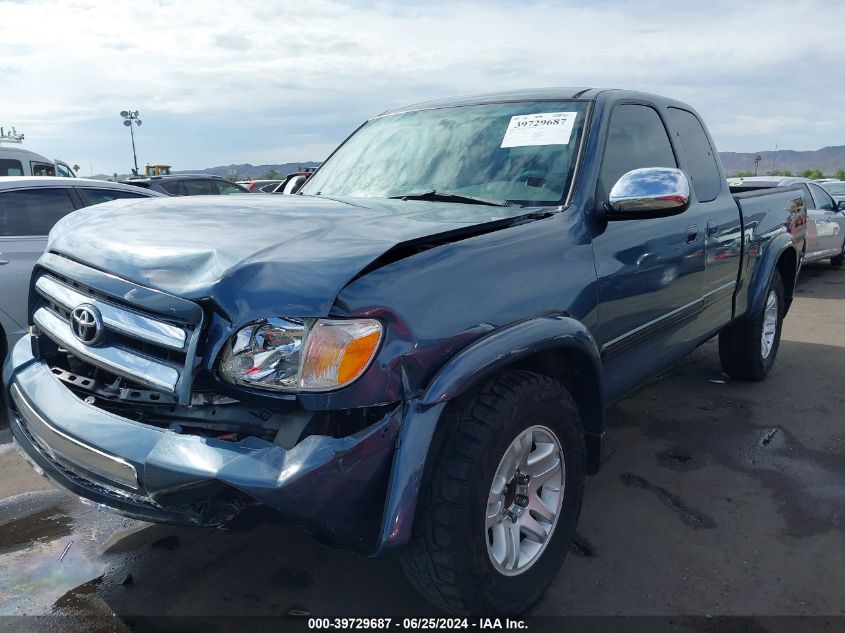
130,117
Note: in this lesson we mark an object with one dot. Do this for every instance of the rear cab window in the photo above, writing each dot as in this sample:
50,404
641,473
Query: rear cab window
33,212
698,154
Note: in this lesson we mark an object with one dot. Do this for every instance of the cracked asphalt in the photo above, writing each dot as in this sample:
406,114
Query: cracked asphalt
719,498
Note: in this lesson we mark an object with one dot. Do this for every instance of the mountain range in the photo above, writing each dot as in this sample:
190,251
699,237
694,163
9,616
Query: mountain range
828,160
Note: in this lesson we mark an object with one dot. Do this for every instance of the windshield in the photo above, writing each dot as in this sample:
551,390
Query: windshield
836,188
516,152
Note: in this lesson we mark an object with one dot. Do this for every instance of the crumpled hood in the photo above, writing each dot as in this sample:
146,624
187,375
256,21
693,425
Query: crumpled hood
254,255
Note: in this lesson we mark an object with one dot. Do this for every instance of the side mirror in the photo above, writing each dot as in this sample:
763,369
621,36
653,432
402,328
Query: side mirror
652,192
841,205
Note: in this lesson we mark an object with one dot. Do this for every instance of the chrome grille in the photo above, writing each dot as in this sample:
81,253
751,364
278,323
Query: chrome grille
147,347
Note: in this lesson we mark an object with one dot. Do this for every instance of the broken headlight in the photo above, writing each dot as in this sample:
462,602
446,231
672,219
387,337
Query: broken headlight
300,354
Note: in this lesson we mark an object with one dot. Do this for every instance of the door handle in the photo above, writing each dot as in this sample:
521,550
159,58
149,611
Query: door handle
712,228
692,234
3,261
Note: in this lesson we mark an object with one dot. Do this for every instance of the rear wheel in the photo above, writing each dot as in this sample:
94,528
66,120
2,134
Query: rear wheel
837,261
748,348
500,506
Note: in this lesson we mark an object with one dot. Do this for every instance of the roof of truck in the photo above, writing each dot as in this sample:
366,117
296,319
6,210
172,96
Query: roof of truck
533,94
22,151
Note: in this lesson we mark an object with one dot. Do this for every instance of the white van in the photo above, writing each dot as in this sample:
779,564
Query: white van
16,161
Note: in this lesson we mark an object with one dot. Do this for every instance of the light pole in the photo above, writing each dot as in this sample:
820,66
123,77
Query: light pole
130,116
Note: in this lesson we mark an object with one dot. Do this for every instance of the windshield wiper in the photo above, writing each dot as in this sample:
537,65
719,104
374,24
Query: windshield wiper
445,196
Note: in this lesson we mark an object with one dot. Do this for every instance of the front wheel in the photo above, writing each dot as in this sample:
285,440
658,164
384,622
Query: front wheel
500,506
748,348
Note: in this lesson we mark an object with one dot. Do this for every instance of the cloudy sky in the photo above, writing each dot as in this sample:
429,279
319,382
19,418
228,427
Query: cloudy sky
258,81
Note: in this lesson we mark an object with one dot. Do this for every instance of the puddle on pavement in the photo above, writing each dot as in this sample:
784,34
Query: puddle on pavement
48,551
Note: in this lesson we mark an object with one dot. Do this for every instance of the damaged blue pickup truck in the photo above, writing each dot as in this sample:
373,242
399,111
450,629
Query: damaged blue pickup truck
416,351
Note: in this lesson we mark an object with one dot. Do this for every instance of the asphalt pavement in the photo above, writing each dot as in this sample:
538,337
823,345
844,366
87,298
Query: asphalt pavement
719,498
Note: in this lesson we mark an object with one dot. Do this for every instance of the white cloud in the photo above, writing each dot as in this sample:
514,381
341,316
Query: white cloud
759,77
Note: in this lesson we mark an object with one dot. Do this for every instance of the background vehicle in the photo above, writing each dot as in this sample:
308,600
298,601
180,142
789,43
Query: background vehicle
836,189
159,169
826,220
293,182
16,161
187,185
259,186
415,352
29,207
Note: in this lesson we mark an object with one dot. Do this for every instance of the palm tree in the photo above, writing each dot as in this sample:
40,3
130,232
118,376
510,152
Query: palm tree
757,159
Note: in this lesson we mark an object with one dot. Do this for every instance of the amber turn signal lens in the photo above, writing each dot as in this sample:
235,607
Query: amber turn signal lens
338,352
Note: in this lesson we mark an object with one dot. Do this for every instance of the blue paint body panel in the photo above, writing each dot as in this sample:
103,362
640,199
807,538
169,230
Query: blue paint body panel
462,290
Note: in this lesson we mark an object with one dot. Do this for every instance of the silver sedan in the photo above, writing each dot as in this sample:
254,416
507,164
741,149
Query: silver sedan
29,207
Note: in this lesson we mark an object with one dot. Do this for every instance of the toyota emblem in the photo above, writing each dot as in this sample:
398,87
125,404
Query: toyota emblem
87,324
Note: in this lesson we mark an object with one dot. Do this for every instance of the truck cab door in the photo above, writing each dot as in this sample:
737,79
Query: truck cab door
712,201
650,271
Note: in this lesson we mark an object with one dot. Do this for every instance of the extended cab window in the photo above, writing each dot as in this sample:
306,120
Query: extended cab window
96,196
10,167
33,211
520,152
636,139
699,155
823,200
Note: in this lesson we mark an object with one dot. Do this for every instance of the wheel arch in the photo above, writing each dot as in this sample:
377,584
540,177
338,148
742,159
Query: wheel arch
787,266
557,346
782,256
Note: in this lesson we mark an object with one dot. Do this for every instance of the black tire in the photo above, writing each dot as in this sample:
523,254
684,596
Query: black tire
740,348
837,261
447,560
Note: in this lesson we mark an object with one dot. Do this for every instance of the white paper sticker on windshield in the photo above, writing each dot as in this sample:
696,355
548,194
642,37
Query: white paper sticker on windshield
543,128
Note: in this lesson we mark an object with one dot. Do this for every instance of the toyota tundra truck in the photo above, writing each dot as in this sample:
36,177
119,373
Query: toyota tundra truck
414,353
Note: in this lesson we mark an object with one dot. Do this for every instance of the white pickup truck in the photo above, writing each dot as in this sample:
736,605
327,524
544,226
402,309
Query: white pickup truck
16,161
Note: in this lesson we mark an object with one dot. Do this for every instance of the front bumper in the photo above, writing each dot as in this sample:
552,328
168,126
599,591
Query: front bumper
334,486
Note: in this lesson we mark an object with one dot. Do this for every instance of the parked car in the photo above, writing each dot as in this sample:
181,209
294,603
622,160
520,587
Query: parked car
836,189
187,185
259,186
29,207
826,216
293,182
16,161
417,351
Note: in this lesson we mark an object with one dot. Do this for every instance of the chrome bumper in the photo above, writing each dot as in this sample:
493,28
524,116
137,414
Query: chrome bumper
330,484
